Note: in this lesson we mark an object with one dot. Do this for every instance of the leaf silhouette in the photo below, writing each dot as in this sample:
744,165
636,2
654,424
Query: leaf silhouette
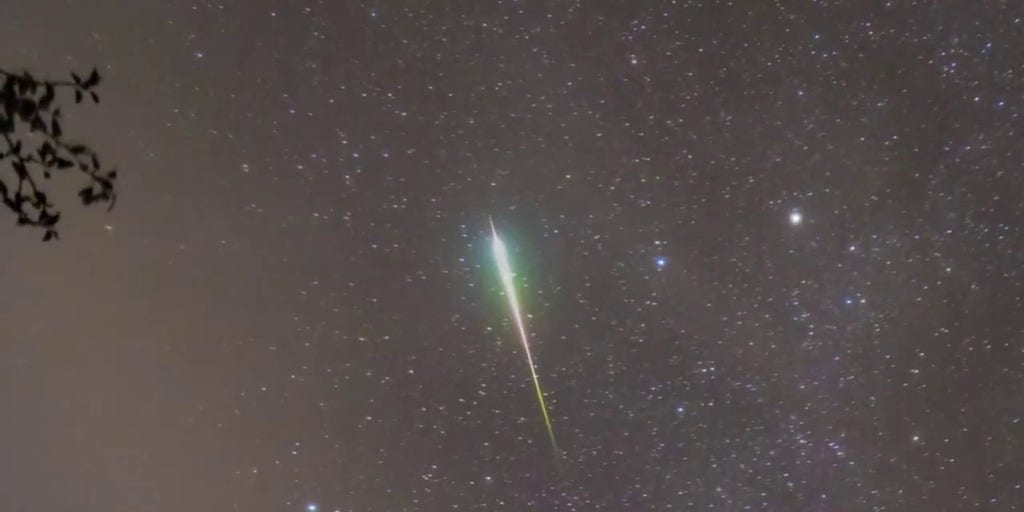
26,85
45,151
38,125
48,96
87,195
26,109
94,78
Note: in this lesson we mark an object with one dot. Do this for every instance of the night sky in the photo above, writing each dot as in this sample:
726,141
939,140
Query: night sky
770,255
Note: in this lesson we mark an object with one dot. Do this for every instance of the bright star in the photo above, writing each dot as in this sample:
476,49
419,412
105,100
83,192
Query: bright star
661,261
795,217
311,507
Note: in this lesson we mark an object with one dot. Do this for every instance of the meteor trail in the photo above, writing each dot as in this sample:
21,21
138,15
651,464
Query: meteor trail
505,270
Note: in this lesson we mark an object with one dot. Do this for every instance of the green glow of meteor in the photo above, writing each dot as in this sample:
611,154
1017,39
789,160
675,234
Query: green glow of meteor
505,270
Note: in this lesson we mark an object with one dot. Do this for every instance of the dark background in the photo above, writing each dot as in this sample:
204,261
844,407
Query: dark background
293,305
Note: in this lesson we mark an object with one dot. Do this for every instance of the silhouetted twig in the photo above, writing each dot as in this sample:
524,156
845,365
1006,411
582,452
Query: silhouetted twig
30,115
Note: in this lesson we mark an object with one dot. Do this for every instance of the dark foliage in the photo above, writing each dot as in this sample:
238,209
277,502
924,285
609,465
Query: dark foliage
34,145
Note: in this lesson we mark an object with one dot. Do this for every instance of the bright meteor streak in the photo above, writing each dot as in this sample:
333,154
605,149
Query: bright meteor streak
505,270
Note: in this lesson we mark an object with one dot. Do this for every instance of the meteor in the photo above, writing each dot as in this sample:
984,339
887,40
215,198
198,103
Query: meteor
505,270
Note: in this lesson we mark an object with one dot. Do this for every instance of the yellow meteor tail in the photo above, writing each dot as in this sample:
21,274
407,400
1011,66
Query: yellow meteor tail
544,411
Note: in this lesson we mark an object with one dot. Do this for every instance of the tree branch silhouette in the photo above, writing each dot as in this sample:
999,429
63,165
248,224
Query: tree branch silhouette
30,123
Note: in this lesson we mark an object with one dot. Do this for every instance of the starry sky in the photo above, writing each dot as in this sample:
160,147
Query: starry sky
769,255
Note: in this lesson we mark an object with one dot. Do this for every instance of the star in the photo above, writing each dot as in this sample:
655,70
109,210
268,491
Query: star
796,218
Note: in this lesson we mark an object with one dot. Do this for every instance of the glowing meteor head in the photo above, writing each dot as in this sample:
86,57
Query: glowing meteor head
504,267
